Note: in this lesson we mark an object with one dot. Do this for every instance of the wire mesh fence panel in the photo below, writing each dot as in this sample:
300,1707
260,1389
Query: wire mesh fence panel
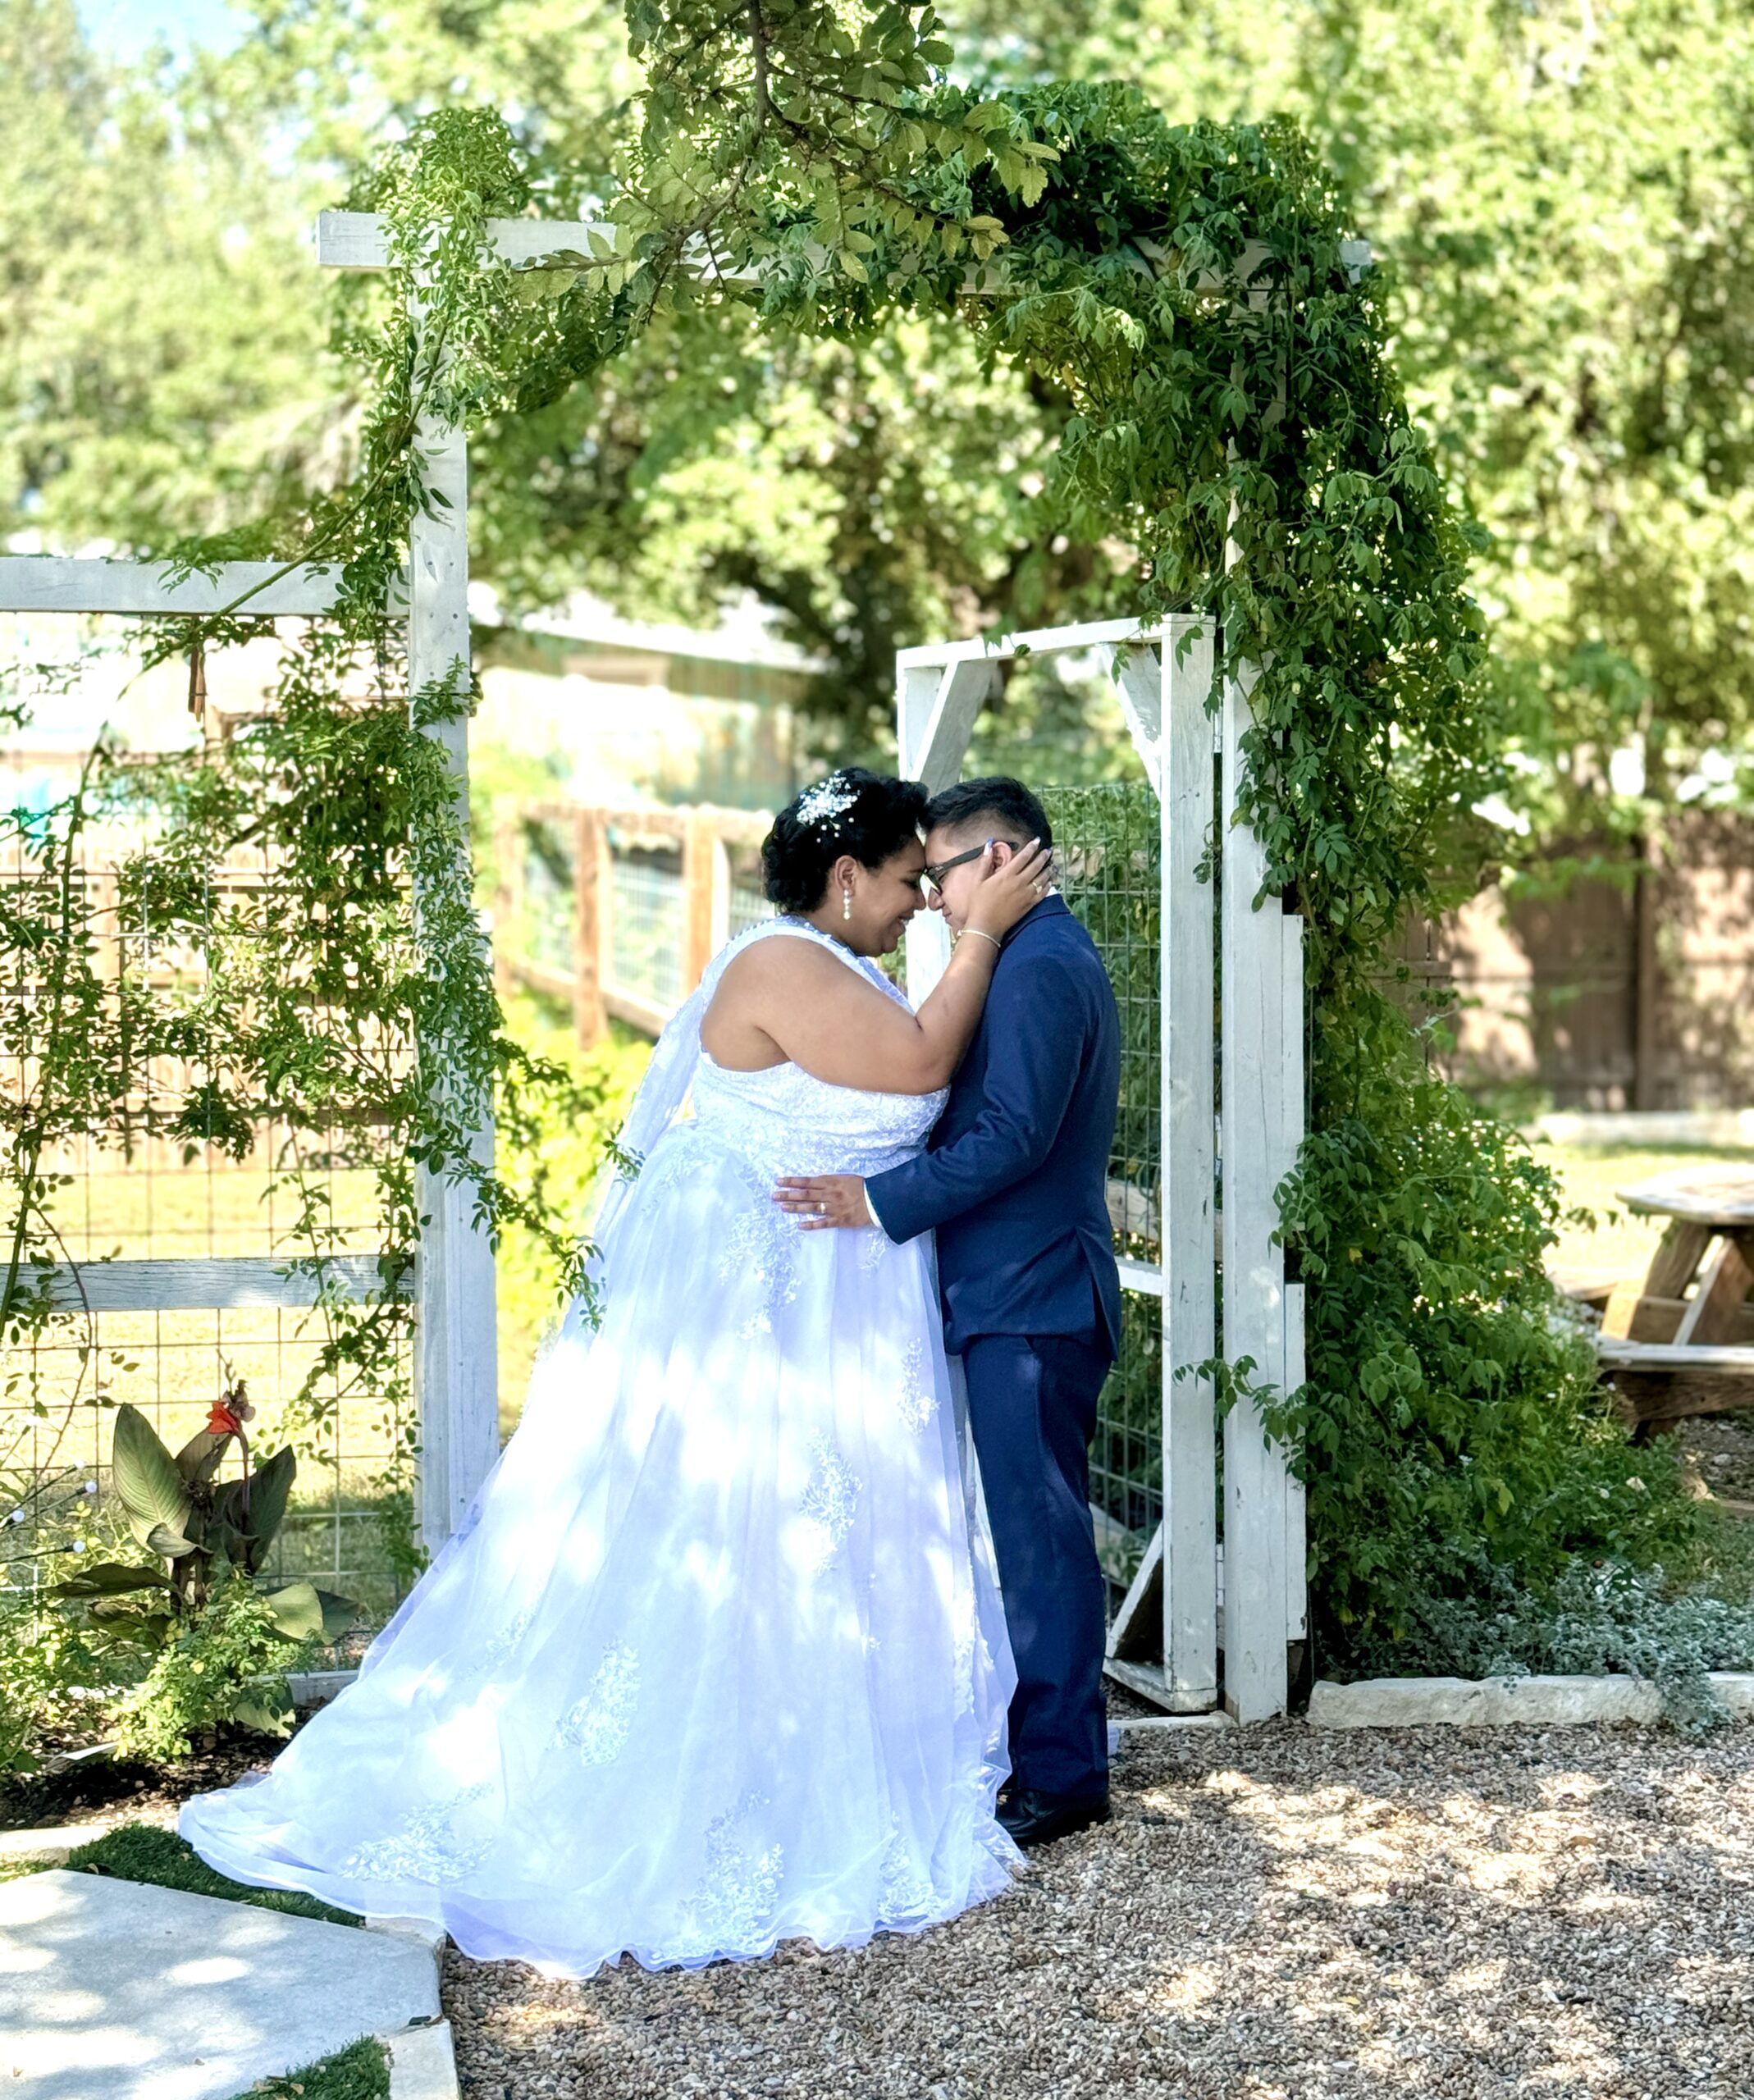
155,1185
748,906
1108,846
550,895
646,922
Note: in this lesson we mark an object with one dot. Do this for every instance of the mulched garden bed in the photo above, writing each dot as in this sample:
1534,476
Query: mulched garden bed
95,1787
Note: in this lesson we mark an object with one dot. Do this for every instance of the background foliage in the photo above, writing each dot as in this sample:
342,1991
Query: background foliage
1562,191
875,465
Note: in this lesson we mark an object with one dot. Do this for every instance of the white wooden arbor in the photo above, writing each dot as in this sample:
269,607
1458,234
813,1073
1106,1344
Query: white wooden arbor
940,689
1188,1600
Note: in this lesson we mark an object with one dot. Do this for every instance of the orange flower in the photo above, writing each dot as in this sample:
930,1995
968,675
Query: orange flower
222,1421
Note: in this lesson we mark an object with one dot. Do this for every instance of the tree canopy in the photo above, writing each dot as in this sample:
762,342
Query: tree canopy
1563,196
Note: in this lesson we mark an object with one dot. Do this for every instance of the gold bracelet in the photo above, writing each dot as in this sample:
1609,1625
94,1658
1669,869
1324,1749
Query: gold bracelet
980,936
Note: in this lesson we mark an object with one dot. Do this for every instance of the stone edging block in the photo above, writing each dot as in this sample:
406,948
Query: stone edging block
422,2063
1412,1702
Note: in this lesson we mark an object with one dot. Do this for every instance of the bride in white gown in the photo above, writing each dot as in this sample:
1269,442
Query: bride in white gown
717,1657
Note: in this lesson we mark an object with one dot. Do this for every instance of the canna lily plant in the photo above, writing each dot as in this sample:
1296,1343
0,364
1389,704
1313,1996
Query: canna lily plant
203,1530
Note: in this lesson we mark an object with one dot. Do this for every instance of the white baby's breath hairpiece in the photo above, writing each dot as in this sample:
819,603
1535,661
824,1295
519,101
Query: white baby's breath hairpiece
828,799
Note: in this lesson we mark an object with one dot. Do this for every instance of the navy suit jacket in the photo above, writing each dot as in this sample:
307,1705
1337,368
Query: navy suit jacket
1015,1175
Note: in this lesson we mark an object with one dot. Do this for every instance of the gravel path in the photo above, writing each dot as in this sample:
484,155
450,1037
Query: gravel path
1280,1914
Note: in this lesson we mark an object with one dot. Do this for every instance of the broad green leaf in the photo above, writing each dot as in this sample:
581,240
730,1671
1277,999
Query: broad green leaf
148,1484
109,1578
296,1611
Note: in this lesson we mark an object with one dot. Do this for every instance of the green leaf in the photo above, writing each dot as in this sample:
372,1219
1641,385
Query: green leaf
854,266
338,1613
172,1544
199,1459
269,1492
296,1611
148,1484
253,1713
111,1578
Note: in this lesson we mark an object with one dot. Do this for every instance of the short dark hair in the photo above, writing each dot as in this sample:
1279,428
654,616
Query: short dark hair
871,816
1004,805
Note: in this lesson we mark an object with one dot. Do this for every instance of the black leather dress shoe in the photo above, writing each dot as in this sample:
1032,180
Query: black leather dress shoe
1036,1818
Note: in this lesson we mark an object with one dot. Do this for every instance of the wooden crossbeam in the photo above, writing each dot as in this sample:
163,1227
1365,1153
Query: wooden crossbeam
57,583
358,241
188,1284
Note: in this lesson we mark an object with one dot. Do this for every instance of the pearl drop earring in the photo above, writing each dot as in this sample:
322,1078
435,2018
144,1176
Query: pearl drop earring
846,904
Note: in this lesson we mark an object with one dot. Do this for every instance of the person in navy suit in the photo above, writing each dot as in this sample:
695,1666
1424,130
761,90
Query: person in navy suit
1014,1183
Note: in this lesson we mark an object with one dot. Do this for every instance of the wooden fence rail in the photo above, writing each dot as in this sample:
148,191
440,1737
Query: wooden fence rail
689,918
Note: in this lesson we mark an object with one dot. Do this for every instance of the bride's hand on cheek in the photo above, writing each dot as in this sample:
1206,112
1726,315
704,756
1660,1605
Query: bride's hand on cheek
1003,894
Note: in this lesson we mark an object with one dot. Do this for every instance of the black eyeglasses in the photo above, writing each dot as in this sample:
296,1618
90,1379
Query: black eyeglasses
932,874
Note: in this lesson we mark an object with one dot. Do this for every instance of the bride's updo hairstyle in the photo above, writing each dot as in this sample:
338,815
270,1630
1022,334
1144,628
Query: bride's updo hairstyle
871,816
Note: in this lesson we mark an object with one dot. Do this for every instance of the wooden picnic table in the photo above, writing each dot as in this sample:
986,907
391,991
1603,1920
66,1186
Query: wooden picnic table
1670,1355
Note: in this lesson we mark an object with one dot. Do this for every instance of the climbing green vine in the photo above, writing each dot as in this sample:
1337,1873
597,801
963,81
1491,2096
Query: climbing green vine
1237,425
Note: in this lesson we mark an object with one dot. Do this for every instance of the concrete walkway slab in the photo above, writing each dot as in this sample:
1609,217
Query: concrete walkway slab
138,1993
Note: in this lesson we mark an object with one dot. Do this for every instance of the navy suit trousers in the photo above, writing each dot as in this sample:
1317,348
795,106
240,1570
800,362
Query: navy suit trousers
1032,1411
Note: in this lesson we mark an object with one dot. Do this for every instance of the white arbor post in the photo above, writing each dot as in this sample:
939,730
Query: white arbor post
1262,1024
456,1354
1188,1222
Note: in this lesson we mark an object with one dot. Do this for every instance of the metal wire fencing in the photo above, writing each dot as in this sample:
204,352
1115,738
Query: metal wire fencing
168,1239
1107,845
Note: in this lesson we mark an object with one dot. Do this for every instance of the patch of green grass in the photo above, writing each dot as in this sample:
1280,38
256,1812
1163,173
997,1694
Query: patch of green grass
138,1852
360,2072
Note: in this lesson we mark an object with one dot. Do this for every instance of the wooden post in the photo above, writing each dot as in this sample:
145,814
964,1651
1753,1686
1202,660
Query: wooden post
721,889
700,843
1190,1660
456,1382
1646,988
590,854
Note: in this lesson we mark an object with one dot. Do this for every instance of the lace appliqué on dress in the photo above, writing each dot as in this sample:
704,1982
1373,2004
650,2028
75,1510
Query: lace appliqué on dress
501,1649
906,1895
762,1248
919,1400
734,1899
426,1848
598,1726
830,1502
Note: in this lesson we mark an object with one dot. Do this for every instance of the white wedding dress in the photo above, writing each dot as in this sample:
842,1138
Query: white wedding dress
717,1658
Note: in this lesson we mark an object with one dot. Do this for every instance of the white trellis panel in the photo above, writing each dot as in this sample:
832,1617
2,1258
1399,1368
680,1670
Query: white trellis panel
1191,1631
456,1370
1162,677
